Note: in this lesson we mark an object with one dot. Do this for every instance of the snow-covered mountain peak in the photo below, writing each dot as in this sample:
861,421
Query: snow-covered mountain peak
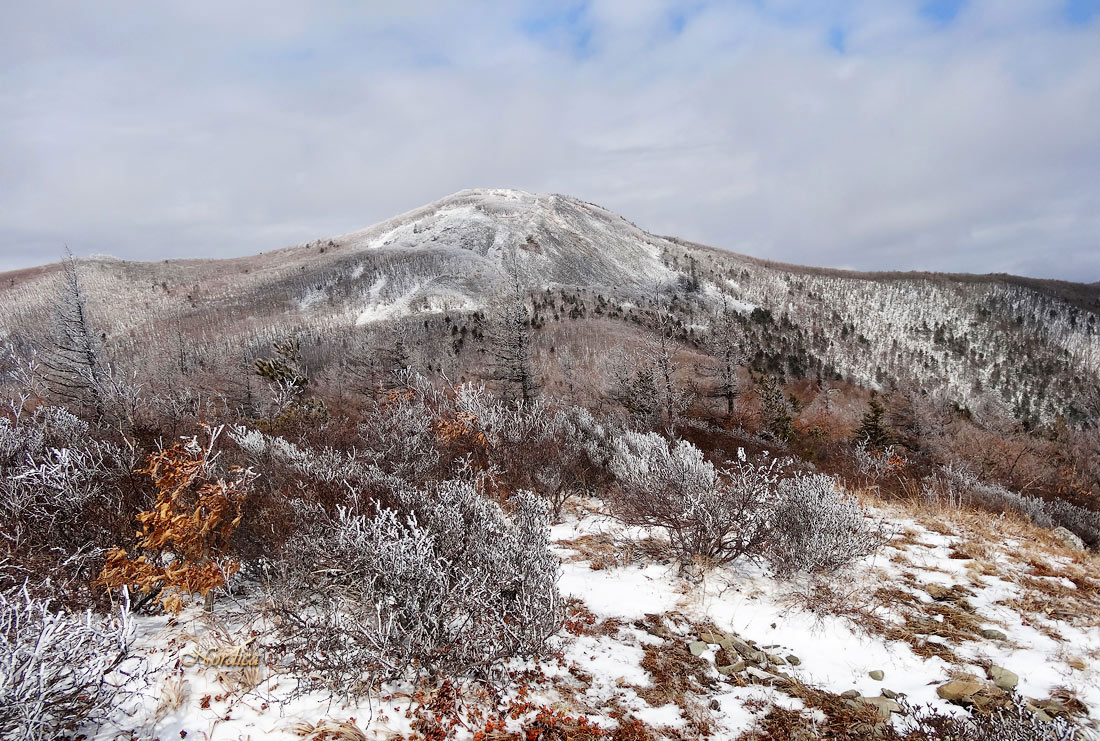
552,239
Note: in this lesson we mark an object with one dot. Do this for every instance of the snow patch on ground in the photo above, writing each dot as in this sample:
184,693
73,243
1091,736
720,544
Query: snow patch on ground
835,653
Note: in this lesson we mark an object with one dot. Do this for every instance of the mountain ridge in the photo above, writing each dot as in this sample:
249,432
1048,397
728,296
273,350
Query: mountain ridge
1030,281
1032,345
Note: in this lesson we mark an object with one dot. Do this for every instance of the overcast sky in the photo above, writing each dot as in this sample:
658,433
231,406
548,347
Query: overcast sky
944,135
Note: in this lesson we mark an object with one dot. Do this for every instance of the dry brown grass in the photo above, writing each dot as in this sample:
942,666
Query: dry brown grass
844,720
328,730
972,549
173,694
1007,547
598,550
606,551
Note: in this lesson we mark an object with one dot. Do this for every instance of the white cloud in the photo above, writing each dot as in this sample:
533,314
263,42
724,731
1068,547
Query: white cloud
212,130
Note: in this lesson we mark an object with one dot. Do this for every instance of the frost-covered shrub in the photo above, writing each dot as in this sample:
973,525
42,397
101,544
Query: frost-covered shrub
817,528
449,584
554,453
321,465
877,464
401,431
716,515
31,435
51,472
55,667
1016,722
956,485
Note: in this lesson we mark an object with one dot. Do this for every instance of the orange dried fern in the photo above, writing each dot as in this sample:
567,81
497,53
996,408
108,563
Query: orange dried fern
185,536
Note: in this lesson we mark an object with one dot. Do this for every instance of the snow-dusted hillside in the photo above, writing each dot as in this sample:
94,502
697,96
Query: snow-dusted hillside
1030,347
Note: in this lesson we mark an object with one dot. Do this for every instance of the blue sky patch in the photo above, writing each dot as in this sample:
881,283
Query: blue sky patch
568,26
1080,12
941,11
838,39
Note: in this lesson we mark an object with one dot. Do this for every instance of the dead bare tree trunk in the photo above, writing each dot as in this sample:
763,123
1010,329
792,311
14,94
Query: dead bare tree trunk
510,336
73,366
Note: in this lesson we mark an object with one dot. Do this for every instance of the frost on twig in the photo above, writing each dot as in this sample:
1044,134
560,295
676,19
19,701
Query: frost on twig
57,669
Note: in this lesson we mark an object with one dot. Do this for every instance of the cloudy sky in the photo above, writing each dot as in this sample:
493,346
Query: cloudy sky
954,135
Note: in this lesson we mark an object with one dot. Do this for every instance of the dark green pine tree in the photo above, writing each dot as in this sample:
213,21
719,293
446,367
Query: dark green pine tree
871,429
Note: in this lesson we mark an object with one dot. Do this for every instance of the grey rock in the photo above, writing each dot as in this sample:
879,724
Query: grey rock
850,694
1039,713
759,674
959,690
732,642
1068,538
1051,707
793,660
890,694
1003,678
730,669
715,705
993,634
697,647
884,706
876,675
774,659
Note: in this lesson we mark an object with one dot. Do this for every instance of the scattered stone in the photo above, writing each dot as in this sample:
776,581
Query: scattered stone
730,669
1003,678
890,694
884,706
710,637
795,661
715,705
1069,539
697,647
1051,707
732,642
774,659
759,674
993,634
938,592
959,690
1040,714
850,694
876,675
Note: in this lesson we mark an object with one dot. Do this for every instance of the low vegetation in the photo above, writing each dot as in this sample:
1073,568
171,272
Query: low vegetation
389,522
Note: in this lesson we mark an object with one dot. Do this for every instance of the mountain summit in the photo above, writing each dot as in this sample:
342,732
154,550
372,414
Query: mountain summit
1029,346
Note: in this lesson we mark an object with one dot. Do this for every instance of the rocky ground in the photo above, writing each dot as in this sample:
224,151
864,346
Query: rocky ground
960,610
